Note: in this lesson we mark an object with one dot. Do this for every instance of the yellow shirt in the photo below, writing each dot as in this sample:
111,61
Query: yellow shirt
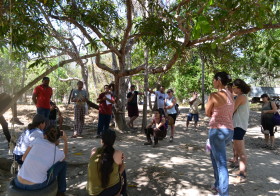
94,185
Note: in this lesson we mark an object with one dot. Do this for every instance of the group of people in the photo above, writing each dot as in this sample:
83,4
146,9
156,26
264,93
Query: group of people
228,109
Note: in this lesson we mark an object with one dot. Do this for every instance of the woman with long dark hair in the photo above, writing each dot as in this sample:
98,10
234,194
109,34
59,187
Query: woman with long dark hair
43,163
106,174
268,110
240,122
220,107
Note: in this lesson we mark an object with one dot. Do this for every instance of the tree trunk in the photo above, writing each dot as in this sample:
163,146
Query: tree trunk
94,77
84,72
23,80
120,91
146,77
202,82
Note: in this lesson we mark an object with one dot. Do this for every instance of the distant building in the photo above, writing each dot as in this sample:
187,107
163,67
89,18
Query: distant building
258,91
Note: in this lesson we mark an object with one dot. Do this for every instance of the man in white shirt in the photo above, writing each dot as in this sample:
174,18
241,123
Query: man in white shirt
194,102
160,97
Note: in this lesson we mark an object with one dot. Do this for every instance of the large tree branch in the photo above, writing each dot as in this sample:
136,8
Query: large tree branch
128,27
103,66
40,77
233,35
103,39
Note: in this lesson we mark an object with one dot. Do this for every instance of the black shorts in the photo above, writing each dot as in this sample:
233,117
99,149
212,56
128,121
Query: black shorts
173,116
238,133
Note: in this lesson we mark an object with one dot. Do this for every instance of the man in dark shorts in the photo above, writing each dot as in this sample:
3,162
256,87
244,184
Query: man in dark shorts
42,96
132,106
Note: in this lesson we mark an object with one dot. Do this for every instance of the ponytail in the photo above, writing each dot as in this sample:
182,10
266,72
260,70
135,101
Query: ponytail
106,164
107,156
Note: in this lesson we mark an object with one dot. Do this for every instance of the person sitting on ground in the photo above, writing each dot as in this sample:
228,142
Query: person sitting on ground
268,110
106,169
33,131
43,163
53,116
193,114
157,128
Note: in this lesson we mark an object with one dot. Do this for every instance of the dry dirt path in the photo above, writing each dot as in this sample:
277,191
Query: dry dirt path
180,168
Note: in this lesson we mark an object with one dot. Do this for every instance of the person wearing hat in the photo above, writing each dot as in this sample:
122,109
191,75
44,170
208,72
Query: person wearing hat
42,96
33,131
268,110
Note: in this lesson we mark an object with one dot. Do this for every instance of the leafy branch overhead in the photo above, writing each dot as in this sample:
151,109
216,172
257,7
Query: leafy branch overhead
171,28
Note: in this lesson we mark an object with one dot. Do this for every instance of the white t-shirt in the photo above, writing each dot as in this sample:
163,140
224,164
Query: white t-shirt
160,98
25,140
39,160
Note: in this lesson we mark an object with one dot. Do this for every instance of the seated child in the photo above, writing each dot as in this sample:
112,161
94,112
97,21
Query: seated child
54,110
106,174
43,163
33,131
157,128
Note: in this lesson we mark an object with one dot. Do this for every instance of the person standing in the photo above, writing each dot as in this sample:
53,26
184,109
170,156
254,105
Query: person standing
240,122
220,108
132,106
79,97
42,96
193,114
106,101
170,103
160,98
268,110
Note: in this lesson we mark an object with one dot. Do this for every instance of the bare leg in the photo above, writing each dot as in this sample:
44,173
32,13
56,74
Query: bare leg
239,147
187,124
266,138
272,141
132,119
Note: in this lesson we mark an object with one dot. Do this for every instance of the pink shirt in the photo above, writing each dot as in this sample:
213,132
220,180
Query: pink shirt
222,115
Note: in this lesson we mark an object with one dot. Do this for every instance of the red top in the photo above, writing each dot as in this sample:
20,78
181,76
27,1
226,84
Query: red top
105,108
43,95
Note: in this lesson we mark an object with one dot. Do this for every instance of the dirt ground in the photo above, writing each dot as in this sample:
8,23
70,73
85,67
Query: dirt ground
180,168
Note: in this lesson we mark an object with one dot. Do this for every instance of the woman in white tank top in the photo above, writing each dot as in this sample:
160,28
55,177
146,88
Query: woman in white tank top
240,122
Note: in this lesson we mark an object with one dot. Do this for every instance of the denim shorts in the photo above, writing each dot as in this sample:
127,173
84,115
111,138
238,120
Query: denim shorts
238,133
191,116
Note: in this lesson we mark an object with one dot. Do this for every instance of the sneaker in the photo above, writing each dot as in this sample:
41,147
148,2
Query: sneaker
272,148
171,139
148,143
73,136
265,146
155,145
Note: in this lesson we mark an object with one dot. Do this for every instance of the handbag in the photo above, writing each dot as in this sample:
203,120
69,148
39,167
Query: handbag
276,118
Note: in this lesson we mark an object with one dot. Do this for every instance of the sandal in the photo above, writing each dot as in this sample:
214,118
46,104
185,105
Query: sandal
241,178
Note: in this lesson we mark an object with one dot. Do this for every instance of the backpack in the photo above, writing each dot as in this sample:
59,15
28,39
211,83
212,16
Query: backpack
177,109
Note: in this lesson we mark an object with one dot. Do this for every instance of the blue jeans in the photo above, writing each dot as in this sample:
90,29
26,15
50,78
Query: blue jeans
103,123
44,112
218,139
59,172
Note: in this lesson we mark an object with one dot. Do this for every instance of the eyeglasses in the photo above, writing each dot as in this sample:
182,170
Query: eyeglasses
168,92
234,87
